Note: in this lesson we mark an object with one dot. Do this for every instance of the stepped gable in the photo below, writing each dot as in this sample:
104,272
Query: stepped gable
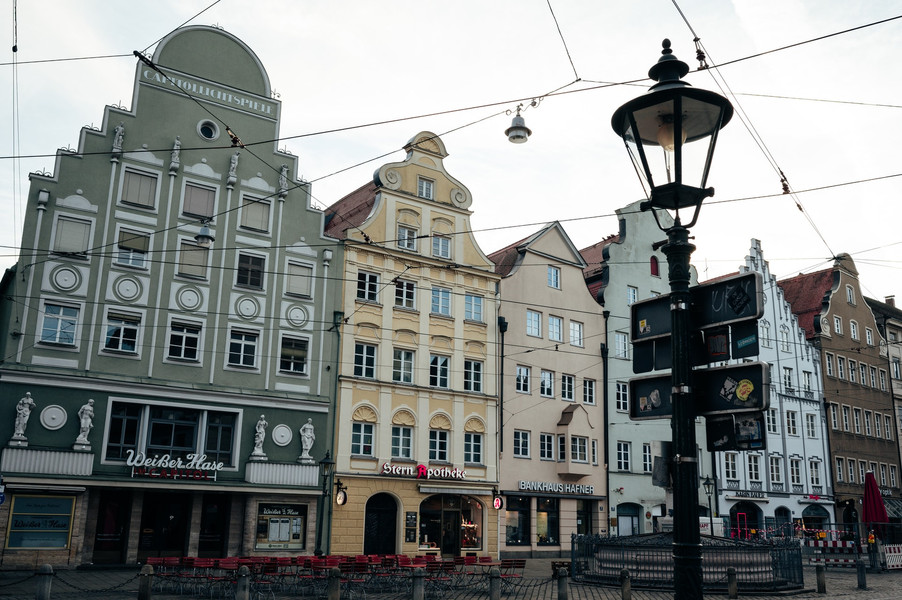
806,295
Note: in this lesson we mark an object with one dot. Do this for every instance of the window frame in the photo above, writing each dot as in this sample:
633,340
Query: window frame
533,323
622,396
67,330
555,328
362,439
193,269
244,346
441,301
473,374
522,382
185,331
439,371
589,388
425,188
364,360
250,271
553,277
473,445
401,442
579,329
407,237
546,383
129,252
568,383
521,443
439,445
250,206
61,239
367,286
624,459
126,322
188,200
473,308
291,359
441,246
402,365
141,177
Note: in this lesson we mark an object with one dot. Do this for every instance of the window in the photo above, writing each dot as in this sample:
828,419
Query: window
547,521
522,385
473,308
622,396
892,475
367,286
518,530
125,424
764,333
401,441
362,439
73,236
192,260
795,471
441,246
139,189
632,295
850,294
131,249
473,375
546,383
424,188
595,452
521,443
621,346
877,423
834,416
882,380
806,380
218,443
851,471
199,201
787,377
254,214
863,370
60,324
868,418
829,362
897,368
589,391
754,462
811,425
184,342
840,469
653,266
402,366
546,446
364,360
554,277
172,431
784,339
776,469
646,458
441,301
862,469
623,456
293,358
730,471
562,448
299,280
438,371
888,426
243,349
853,330
840,367
579,449
405,294
869,336
837,324
555,329
576,333
853,369
814,472
533,323
122,333
771,418
791,424
473,448
846,415
873,371
250,271
407,238
567,383
856,419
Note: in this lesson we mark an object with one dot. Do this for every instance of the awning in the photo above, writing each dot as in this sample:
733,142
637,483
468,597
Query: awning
893,508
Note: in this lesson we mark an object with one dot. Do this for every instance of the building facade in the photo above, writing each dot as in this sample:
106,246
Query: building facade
860,413
785,486
166,396
552,430
623,269
417,412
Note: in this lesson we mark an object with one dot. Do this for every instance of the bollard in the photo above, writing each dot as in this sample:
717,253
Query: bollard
145,583
45,578
333,586
732,583
419,583
495,584
626,585
243,589
862,576
563,590
820,574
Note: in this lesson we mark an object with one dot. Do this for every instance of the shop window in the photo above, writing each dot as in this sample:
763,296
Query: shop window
281,527
517,520
547,520
40,522
173,431
450,524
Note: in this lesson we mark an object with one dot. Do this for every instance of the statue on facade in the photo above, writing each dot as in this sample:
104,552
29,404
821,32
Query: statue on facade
23,411
308,436
283,181
259,435
174,158
118,135
233,168
85,422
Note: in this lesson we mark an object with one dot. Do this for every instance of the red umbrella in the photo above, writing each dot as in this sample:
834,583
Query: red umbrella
873,509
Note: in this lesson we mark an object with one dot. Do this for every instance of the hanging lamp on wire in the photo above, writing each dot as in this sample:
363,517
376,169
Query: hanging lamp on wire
518,132
204,237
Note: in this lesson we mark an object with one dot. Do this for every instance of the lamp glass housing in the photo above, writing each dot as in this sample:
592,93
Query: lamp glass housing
709,486
326,465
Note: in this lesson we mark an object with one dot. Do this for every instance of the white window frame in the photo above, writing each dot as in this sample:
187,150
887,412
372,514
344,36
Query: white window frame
441,301
473,308
141,178
367,286
473,372
621,345
624,461
406,294
402,365
576,334
425,188
240,341
579,449
407,238
533,323
522,380
132,247
363,438
289,354
185,330
546,446
67,329
64,242
754,467
365,360
128,326
439,371
589,391
521,443
622,396
811,425
632,295
546,383
473,444
568,383
299,279
554,277
555,328
775,467
441,246
401,442
187,186
439,445
731,469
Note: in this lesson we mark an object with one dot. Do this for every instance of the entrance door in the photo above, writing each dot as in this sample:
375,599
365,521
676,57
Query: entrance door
111,537
628,519
164,525
450,533
380,526
214,522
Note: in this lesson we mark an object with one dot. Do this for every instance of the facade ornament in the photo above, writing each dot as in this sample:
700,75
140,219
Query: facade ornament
174,160
85,424
283,181
233,169
308,436
259,436
23,411
118,136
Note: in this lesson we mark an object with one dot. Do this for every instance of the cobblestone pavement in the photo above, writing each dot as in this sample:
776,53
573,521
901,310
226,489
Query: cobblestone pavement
122,584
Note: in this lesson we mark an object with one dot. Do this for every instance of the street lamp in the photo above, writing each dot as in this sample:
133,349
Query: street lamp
326,466
709,489
674,116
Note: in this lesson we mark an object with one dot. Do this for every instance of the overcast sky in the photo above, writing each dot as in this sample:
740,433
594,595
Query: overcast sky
826,113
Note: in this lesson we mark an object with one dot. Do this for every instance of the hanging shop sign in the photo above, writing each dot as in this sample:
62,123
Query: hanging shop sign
196,467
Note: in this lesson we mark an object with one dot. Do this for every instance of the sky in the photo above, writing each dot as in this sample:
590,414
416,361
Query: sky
825,113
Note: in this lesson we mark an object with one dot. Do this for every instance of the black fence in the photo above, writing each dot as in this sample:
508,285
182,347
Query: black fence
770,565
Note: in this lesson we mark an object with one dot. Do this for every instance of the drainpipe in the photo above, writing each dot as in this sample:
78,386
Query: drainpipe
502,327
604,398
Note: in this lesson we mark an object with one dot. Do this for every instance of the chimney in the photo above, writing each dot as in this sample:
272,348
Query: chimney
891,300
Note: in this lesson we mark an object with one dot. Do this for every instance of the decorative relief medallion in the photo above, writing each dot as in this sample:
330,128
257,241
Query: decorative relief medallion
127,288
53,417
392,179
460,198
281,435
65,279
296,315
189,298
247,307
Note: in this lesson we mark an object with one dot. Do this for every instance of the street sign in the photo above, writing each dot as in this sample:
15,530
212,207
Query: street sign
723,390
736,432
729,300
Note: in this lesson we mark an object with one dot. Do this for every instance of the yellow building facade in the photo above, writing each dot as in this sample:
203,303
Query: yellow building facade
416,405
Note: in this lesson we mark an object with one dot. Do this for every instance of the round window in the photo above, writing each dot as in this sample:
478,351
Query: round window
208,130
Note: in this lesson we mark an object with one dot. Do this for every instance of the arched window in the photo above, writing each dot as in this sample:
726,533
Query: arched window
653,263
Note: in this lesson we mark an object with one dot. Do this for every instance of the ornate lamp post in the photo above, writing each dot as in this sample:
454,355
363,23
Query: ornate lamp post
673,116
709,489
326,466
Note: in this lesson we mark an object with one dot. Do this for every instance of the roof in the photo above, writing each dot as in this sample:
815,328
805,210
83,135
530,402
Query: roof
350,212
506,258
594,256
806,295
